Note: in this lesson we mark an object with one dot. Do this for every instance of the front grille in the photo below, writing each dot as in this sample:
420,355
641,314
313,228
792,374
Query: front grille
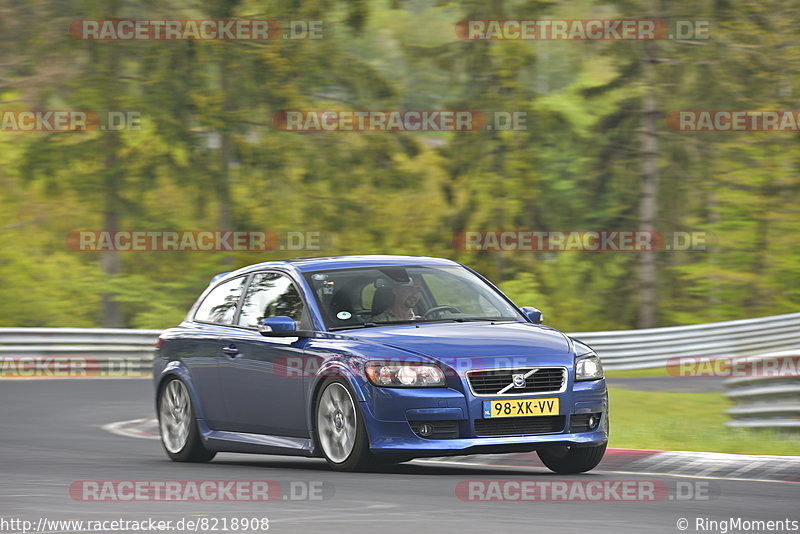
510,426
537,380
440,429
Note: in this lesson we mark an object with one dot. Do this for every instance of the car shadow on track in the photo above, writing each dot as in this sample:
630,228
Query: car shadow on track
410,468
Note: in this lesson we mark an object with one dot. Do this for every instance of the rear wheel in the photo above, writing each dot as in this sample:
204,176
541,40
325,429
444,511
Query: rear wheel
341,433
566,460
178,426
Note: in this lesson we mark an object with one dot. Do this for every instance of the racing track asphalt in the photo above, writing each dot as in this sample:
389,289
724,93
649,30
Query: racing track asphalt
51,436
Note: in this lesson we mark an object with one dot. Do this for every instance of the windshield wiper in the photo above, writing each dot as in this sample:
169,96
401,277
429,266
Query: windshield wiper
423,321
371,325
353,326
471,320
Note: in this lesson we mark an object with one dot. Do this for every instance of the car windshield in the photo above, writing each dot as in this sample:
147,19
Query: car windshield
364,297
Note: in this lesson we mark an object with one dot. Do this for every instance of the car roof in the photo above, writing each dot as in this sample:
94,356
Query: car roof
304,265
349,262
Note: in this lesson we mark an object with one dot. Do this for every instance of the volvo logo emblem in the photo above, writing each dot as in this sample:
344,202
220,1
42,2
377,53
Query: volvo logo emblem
519,381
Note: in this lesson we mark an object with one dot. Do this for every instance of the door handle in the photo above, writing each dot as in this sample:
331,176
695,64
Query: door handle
231,351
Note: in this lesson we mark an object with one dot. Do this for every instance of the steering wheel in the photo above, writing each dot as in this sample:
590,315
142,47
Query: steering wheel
439,309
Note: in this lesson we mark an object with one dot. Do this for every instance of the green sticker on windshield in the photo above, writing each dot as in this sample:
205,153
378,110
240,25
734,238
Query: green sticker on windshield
344,315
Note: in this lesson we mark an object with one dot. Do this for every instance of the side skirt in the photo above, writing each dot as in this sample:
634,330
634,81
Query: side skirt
226,441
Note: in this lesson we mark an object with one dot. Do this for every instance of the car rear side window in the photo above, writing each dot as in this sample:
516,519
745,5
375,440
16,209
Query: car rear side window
219,306
271,295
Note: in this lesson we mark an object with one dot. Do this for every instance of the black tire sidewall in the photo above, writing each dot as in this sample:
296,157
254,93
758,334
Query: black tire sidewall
575,460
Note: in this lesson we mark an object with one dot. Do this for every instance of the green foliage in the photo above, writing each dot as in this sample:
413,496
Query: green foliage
209,157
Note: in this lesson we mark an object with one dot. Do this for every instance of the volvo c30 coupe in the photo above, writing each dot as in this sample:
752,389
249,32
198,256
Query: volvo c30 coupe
370,359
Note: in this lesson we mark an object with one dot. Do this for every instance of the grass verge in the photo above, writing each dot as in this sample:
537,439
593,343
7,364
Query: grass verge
687,422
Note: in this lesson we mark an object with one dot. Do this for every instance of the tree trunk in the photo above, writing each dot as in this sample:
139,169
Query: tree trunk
110,261
223,186
648,207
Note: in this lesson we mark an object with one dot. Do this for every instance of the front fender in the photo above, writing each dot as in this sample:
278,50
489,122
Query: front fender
346,369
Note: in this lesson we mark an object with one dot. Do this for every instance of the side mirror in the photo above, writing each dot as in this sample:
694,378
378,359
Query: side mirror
533,315
280,326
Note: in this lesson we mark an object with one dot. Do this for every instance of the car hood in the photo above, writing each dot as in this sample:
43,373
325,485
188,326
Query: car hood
493,344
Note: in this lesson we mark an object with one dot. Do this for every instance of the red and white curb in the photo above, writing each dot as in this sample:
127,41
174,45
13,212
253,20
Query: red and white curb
691,464
144,428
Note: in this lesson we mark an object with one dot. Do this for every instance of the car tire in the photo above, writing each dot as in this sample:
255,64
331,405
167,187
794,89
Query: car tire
340,430
570,460
177,424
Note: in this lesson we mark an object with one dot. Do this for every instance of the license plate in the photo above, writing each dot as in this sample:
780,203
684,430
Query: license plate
520,407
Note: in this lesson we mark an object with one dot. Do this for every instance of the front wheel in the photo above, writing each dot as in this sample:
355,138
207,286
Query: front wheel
341,433
178,426
570,460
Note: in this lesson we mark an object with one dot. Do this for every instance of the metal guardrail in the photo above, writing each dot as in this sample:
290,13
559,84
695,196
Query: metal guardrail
104,351
619,349
766,399
654,347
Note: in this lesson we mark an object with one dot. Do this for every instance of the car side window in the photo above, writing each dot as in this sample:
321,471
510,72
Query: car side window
270,295
220,304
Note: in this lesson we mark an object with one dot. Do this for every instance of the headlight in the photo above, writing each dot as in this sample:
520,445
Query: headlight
405,375
588,367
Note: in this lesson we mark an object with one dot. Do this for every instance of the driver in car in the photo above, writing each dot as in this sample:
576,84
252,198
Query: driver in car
406,297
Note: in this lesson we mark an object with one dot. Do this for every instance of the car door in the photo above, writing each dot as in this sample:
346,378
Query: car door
261,395
201,348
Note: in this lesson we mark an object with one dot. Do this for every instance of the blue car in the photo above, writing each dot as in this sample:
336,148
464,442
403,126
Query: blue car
366,360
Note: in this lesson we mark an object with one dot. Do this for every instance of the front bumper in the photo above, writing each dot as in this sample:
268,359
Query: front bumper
389,411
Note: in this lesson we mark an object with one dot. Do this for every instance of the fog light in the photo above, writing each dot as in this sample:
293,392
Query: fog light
425,430
592,422
435,429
